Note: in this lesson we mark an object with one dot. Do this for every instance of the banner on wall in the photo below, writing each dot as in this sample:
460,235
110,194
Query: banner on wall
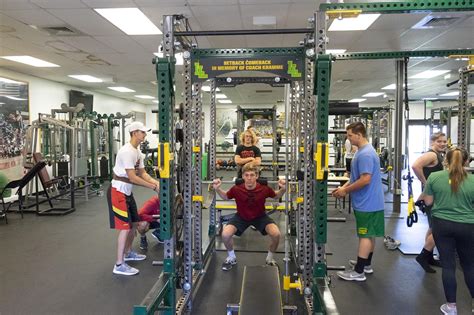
14,120
290,67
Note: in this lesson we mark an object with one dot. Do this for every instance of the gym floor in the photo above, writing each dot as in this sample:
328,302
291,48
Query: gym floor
63,265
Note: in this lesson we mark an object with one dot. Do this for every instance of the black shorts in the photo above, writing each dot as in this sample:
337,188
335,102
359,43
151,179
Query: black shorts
259,223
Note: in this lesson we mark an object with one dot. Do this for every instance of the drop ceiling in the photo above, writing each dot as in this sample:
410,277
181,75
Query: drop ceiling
95,47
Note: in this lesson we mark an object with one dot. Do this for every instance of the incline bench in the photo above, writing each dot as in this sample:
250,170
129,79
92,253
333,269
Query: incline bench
261,292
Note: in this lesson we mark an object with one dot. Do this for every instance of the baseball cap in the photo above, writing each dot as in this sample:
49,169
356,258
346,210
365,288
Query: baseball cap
136,125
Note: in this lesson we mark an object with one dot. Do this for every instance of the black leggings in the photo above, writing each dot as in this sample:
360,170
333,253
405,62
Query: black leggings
450,237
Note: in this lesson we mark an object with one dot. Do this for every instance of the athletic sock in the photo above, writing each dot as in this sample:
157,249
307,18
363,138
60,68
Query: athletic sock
369,260
361,263
426,253
231,254
269,256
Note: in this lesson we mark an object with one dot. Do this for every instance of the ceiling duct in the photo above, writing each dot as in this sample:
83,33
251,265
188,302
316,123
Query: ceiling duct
436,21
61,31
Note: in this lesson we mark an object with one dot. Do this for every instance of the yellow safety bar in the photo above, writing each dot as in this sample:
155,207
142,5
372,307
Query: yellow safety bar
197,198
234,207
321,156
164,158
340,14
287,284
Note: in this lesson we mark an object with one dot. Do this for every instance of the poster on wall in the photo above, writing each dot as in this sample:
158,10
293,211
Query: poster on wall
14,120
226,125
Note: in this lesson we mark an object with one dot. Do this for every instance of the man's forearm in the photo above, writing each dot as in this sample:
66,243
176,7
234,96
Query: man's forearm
358,184
279,193
222,193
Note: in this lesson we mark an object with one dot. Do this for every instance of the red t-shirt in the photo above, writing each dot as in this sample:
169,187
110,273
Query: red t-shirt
149,208
250,203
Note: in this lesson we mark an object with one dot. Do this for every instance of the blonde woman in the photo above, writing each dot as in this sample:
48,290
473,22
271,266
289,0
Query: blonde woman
451,192
247,151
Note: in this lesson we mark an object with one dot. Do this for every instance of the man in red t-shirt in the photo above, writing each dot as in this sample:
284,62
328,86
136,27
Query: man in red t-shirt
149,215
250,199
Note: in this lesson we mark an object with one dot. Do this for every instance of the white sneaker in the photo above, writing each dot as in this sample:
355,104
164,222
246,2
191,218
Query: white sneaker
134,256
125,270
367,269
351,275
448,310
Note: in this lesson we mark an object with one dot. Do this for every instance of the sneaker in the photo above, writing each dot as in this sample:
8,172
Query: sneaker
271,262
391,243
143,242
156,235
423,261
228,263
367,269
134,256
434,262
351,275
125,270
448,310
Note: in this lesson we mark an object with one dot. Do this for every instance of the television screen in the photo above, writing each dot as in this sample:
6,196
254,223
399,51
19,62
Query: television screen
76,97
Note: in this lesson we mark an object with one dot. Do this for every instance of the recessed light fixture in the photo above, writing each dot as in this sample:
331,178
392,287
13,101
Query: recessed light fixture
221,96
131,21
335,51
207,88
178,56
145,97
455,93
225,101
5,80
86,78
428,74
373,94
357,100
121,89
392,86
360,23
31,61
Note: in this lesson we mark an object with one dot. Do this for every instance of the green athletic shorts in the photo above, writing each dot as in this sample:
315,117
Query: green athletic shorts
370,224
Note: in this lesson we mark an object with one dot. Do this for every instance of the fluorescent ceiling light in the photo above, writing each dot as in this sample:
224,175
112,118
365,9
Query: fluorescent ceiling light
429,98
5,80
455,93
121,89
155,101
86,78
428,74
357,100
373,94
393,86
131,21
264,20
221,96
207,88
360,23
178,56
31,61
14,98
225,101
145,97
335,51
448,76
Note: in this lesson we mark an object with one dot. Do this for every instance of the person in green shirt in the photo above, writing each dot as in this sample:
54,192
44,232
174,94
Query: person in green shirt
452,194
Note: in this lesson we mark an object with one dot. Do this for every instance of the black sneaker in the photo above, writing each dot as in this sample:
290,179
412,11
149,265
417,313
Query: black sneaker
143,243
156,234
423,261
228,263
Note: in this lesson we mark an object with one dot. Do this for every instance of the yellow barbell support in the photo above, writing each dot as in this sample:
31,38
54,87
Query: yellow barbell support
340,14
164,157
287,284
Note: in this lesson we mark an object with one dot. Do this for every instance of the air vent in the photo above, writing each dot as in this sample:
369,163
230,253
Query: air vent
61,31
432,21
263,91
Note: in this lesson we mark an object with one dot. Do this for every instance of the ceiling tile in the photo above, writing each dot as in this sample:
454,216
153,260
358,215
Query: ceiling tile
38,17
207,18
120,43
277,10
96,4
88,44
87,21
212,2
17,5
59,4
